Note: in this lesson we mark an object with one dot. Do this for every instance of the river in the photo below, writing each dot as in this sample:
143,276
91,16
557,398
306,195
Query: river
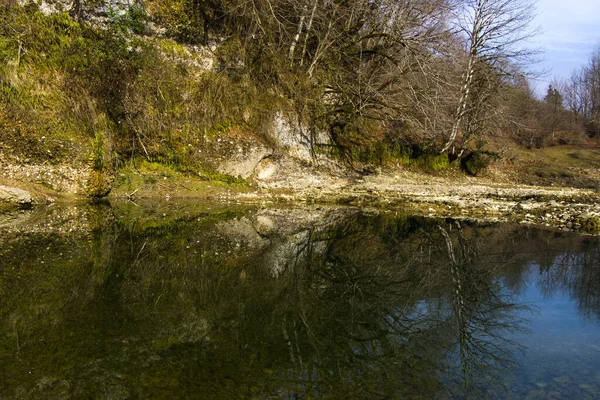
180,300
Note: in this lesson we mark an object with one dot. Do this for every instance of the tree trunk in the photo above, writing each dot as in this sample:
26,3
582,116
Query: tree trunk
480,24
462,104
298,34
308,29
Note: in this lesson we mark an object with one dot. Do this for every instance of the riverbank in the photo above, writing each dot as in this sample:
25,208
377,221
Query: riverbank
449,194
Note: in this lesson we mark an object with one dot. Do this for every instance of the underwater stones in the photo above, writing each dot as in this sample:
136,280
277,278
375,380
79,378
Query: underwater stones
562,379
536,394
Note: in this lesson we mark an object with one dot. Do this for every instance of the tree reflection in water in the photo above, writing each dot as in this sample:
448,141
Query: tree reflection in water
322,304
577,273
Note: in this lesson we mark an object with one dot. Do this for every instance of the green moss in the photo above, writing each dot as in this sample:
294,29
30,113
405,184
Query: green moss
591,225
432,162
172,49
383,153
98,184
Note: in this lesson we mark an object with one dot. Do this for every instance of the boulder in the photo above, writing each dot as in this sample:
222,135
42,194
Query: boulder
15,195
245,162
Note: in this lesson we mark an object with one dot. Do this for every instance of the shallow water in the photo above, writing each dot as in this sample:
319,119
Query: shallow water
211,301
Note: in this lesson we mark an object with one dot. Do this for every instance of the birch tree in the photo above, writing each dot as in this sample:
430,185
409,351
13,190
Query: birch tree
495,34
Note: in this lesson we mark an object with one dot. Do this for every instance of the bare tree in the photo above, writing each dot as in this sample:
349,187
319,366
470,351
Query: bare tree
495,32
573,91
582,94
592,89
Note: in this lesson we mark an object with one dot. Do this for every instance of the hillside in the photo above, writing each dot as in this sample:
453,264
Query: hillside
165,100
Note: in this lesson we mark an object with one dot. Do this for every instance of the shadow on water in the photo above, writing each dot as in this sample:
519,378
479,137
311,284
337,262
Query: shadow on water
213,302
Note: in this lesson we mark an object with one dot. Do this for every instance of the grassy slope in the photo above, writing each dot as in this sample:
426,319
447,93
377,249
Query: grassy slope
135,107
567,166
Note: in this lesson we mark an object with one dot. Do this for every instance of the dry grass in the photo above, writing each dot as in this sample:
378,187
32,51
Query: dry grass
568,166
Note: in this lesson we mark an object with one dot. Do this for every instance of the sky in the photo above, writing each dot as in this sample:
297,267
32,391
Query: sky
570,31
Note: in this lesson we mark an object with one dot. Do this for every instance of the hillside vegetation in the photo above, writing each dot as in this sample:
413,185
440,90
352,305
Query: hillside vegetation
183,84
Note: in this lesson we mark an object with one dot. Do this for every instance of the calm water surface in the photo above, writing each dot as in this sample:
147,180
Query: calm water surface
215,302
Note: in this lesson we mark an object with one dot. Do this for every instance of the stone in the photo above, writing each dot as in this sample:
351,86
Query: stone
15,195
562,379
264,226
265,170
535,394
244,163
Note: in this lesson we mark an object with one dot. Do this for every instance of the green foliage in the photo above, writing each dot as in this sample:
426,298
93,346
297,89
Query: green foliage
133,20
44,88
62,82
184,20
382,154
141,96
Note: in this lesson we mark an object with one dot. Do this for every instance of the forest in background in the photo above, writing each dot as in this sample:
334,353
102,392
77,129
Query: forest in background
388,81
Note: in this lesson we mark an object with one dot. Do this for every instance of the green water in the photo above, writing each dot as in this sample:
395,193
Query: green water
175,300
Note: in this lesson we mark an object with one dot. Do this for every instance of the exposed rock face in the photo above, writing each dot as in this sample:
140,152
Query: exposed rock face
294,138
15,195
293,142
244,163
96,8
265,169
293,150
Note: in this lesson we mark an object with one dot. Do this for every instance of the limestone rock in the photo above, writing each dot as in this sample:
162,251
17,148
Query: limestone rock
264,225
265,169
244,163
295,138
14,195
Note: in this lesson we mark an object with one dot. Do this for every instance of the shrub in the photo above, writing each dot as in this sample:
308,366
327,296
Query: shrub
476,162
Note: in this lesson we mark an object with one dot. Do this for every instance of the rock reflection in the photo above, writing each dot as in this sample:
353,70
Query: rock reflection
273,304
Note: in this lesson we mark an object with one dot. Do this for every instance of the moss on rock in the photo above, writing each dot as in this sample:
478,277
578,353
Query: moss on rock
98,184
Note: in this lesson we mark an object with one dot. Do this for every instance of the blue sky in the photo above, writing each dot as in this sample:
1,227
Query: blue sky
570,31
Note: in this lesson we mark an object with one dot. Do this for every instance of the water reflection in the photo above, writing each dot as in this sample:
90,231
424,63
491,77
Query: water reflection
576,273
220,303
